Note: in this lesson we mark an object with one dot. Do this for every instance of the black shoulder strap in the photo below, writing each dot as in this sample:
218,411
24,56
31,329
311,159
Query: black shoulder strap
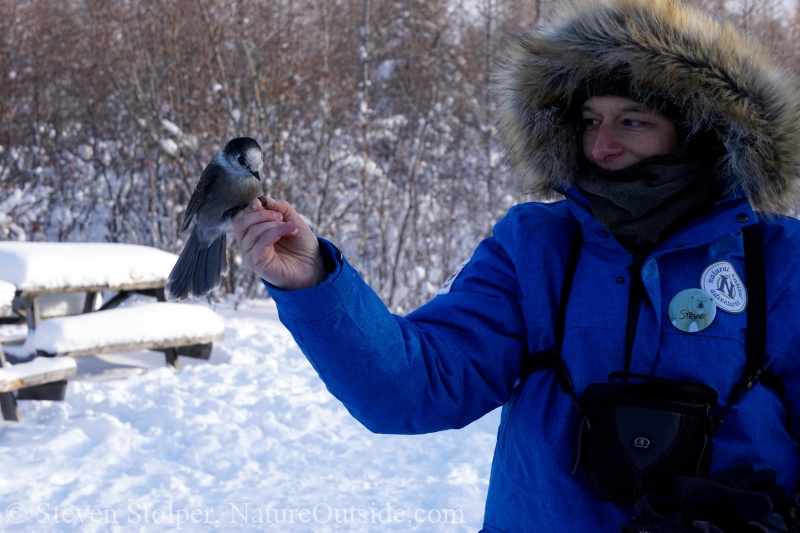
551,360
566,286
756,336
544,360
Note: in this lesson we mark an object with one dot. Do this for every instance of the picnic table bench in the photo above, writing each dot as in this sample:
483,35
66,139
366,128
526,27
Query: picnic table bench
40,274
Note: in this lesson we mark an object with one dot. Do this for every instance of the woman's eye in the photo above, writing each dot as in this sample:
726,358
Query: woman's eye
632,122
590,122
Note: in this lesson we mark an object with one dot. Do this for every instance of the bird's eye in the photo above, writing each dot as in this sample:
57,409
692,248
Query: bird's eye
241,160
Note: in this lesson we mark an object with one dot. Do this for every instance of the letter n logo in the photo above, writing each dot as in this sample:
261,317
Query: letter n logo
725,286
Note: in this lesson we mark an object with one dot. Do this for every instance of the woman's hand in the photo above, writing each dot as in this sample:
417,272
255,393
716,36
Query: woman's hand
278,246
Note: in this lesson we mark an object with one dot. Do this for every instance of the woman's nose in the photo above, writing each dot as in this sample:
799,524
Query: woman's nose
605,143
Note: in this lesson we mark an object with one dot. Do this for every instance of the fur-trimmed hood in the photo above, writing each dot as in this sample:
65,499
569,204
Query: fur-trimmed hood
718,76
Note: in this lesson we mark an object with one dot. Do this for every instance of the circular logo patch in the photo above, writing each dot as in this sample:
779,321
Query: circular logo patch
692,310
724,284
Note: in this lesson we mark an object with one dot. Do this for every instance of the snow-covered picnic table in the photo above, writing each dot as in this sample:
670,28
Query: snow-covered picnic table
33,272
38,269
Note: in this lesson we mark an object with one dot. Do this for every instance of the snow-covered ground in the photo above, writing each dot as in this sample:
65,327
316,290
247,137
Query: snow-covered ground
250,440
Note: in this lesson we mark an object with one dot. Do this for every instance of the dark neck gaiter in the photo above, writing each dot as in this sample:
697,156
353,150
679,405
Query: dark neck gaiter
643,204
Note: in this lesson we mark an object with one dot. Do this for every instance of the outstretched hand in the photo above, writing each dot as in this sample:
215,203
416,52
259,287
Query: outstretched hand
278,245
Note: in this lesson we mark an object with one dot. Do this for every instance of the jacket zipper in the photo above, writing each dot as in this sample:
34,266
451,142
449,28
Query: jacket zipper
675,406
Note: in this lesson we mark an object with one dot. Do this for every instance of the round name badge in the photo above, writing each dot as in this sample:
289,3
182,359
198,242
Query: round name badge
692,310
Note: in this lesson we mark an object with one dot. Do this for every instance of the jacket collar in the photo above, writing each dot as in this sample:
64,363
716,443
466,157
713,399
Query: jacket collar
731,213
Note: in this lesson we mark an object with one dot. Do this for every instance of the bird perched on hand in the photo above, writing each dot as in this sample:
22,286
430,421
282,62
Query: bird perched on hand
229,182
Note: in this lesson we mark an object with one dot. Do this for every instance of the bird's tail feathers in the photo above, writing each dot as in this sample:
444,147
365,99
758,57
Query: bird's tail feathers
199,269
209,268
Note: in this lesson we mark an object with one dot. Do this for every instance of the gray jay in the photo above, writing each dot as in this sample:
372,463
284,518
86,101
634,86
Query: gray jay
228,184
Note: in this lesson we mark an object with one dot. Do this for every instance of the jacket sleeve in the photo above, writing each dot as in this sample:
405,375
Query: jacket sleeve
443,366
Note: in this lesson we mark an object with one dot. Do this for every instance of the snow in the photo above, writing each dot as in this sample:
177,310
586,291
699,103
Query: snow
169,146
386,68
39,265
171,127
85,152
34,367
252,434
155,322
7,291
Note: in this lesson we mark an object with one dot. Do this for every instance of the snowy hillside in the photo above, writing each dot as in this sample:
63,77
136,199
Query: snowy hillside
251,440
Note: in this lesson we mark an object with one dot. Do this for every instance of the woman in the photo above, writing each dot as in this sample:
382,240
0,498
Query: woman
668,133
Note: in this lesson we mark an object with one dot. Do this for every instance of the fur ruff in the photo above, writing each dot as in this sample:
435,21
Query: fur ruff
716,74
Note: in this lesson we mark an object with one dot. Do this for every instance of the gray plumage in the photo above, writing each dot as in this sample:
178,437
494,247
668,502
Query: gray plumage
229,182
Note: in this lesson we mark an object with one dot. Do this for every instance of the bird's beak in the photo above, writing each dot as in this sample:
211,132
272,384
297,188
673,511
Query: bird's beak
255,173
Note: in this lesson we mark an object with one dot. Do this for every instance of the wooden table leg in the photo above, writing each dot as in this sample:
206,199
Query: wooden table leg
32,312
91,300
120,297
8,403
172,358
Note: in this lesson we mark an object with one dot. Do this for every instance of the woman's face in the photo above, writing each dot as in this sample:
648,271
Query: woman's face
620,132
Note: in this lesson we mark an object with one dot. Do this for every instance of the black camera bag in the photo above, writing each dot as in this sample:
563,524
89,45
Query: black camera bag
634,438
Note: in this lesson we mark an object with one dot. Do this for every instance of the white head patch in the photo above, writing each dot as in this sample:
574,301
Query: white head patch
724,284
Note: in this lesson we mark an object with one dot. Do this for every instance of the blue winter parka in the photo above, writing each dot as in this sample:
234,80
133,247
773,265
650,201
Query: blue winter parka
458,357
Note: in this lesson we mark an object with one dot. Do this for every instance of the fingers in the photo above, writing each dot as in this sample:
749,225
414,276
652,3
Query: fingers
265,234
274,231
252,207
251,215
281,206
294,262
255,205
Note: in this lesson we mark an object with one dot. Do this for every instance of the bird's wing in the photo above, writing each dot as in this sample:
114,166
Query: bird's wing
204,186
